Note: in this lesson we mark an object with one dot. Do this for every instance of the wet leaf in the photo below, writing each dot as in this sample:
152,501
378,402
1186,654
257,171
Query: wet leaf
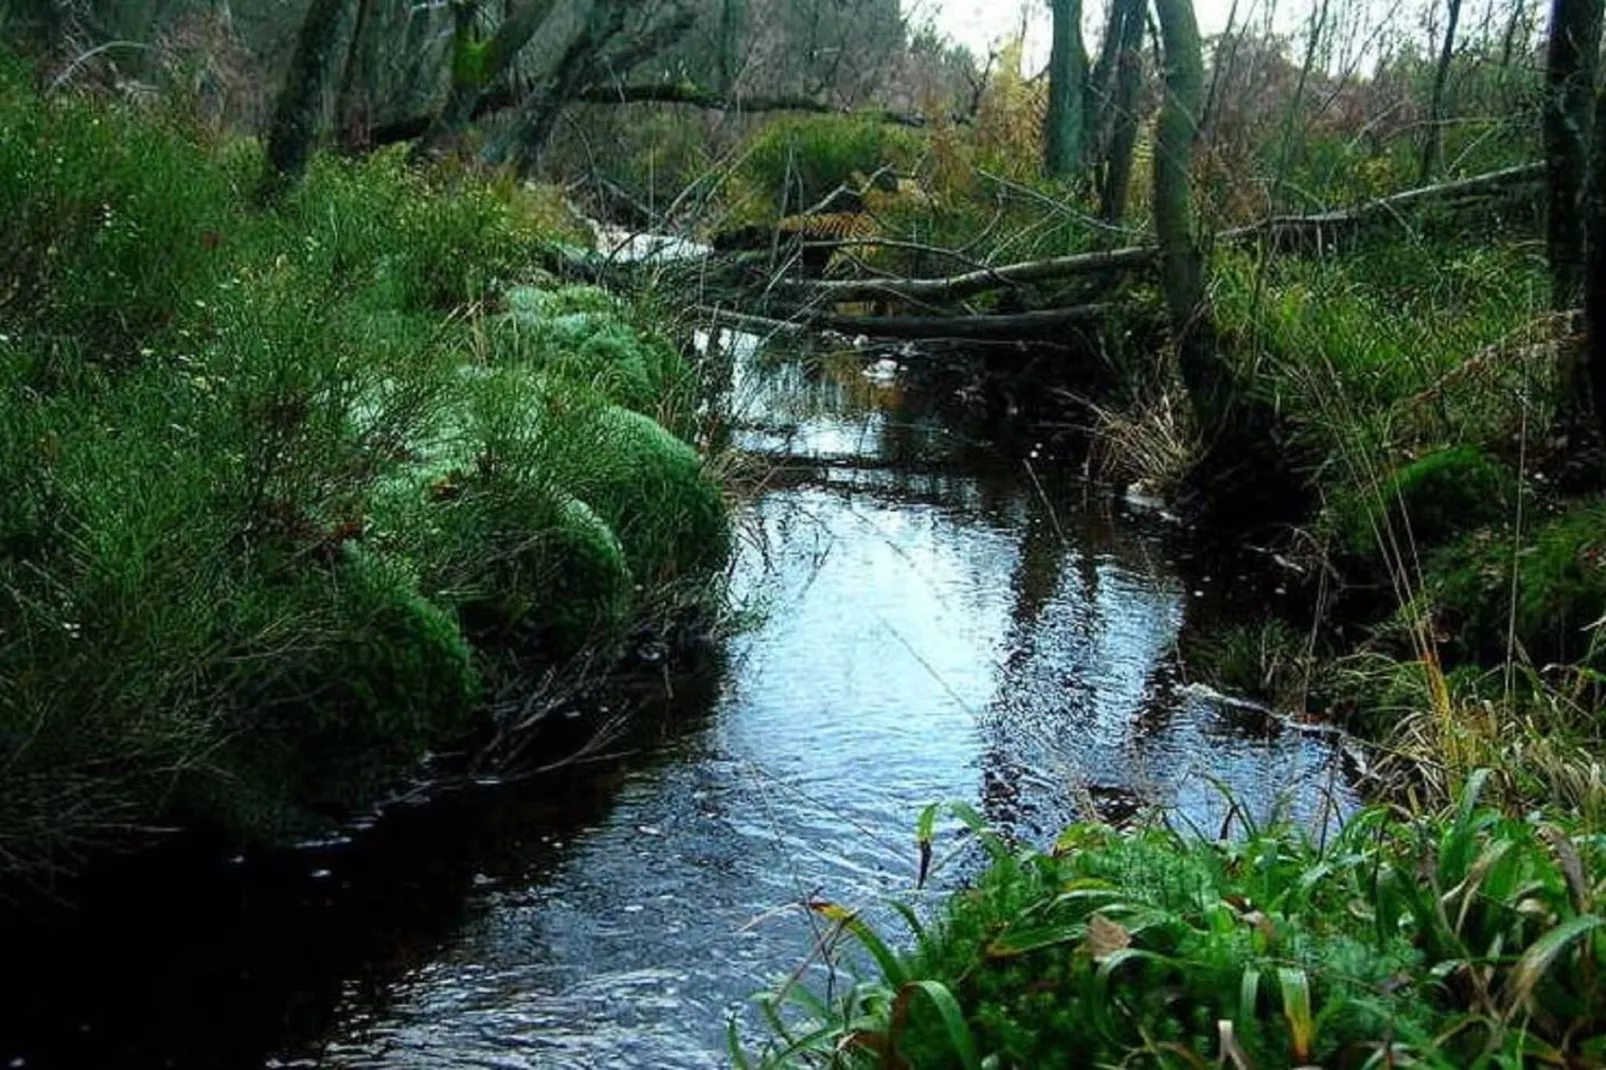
1295,987
1536,962
1105,937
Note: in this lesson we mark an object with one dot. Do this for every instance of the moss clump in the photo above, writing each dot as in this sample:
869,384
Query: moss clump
579,333
1560,590
652,489
1434,497
376,677
532,304
539,573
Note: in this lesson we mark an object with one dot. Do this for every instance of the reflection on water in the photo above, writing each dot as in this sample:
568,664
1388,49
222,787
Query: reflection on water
924,635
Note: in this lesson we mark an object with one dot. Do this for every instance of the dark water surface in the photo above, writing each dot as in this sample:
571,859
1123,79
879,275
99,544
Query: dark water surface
923,629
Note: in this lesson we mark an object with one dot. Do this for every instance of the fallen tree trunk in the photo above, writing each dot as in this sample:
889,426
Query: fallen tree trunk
697,96
1277,229
1509,180
981,280
502,98
1023,325
1018,327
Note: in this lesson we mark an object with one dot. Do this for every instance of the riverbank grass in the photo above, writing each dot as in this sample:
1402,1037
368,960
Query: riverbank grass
1454,939
290,494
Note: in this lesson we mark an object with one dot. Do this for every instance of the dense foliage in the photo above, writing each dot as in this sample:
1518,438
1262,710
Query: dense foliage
1461,939
287,498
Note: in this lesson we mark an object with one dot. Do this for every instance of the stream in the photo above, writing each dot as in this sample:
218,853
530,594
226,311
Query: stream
923,623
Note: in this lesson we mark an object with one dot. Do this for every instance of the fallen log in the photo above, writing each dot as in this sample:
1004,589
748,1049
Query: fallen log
1022,325
980,280
1015,329
1276,228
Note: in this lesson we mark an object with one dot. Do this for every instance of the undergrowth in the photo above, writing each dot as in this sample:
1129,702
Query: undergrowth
1460,937
291,493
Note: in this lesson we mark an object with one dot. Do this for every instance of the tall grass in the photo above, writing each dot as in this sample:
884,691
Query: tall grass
286,495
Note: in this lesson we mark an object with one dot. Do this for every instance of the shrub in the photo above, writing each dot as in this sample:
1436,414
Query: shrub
113,223
374,677
792,164
254,483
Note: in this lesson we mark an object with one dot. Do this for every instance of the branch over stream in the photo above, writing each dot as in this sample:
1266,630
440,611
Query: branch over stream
1275,229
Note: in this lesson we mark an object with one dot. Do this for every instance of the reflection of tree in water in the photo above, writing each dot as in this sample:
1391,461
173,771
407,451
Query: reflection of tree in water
1038,685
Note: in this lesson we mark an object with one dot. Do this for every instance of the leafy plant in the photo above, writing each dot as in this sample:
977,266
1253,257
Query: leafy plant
1442,940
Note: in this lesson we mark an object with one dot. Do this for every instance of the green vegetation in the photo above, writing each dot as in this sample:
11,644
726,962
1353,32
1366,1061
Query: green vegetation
296,490
793,164
1456,939
286,497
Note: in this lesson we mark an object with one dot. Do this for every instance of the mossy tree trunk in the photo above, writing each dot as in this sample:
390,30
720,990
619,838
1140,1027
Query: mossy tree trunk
1182,261
1569,118
477,65
299,109
1433,136
1066,123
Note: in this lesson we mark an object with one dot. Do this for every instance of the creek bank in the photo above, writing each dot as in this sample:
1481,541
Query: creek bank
300,495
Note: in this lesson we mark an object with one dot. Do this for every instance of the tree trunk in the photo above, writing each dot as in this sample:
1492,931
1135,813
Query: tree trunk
1182,267
477,66
1575,29
521,143
730,35
1066,121
1595,279
1116,179
300,103
353,115
1433,139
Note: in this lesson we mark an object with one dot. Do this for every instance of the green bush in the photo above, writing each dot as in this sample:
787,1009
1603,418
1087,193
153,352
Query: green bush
559,504
792,164
529,566
257,492
376,676
113,223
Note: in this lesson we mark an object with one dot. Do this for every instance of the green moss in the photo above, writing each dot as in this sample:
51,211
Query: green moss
652,489
590,593
531,304
578,333
1560,590
382,675
1433,498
